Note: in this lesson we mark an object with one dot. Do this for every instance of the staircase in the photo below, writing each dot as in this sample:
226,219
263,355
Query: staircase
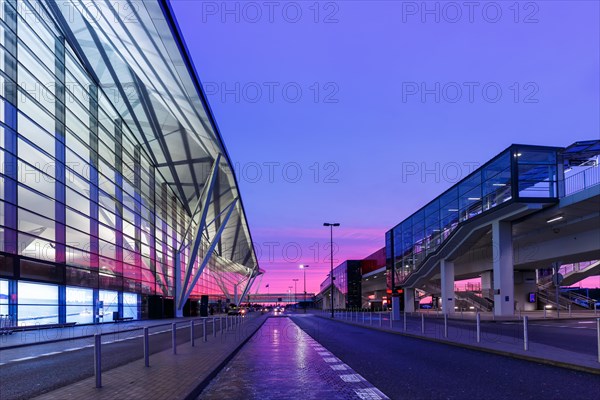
473,298
572,273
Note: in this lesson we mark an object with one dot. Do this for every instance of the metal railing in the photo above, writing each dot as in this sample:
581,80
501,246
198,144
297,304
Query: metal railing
221,323
582,180
441,327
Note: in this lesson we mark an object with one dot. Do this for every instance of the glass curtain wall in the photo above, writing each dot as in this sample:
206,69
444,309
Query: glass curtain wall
86,202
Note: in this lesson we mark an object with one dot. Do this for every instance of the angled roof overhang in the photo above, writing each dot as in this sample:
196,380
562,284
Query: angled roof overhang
135,52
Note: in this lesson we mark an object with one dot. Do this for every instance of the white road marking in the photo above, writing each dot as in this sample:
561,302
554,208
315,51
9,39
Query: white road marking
339,367
370,394
351,378
324,353
330,359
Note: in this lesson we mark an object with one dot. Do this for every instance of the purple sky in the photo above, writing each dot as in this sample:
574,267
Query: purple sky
388,91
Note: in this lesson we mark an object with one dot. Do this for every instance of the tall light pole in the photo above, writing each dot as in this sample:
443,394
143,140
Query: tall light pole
290,292
303,267
331,225
295,291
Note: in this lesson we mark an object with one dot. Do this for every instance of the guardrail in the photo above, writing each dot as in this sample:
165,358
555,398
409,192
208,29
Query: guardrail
218,324
582,180
439,325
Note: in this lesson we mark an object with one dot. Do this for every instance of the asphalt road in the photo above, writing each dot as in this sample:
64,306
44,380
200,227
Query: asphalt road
408,368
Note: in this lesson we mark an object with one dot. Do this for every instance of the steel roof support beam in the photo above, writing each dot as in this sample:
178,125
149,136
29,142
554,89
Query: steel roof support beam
204,202
207,255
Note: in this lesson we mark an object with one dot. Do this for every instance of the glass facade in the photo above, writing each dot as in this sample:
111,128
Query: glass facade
347,280
85,202
518,174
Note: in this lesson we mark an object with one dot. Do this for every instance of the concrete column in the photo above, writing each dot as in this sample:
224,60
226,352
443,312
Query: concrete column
447,284
487,284
395,308
409,300
503,269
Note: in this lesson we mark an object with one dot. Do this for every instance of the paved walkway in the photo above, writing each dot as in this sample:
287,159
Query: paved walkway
508,342
283,362
169,376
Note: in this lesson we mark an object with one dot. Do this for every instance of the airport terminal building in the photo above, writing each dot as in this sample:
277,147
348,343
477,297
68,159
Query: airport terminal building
493,242
117,194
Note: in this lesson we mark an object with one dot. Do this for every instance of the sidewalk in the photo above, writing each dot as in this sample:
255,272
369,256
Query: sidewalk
179,376
508,345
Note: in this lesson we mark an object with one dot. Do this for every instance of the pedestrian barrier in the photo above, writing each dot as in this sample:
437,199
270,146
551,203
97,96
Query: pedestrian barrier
443,327
235,322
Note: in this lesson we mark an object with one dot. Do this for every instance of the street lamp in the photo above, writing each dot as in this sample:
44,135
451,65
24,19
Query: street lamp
290,292
295,291
331,225
303,267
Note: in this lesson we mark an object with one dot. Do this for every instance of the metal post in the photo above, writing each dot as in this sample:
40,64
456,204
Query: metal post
478,328
214,327
598,335
404,321
445,325
204,330
174,337
544,311
98,360
371,318
363,315
423,323
525,334
391,322
221,325
569,311
380,319
146,348
192,333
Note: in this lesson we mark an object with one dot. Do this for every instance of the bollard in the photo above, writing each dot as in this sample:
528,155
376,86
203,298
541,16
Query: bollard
146,348
204,330
363,315
221,325
544,311
192,333
569,311
404,321
445,325
380,319
214,327
598,336
98,360
478,328
391,322
174,337
371,318
525,334
423,323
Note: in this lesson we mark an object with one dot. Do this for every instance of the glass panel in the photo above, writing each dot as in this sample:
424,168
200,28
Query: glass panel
3,297
130,305
80,305
109,302
38,304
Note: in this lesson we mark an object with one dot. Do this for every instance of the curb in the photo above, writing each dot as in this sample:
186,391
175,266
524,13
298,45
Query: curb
562,364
